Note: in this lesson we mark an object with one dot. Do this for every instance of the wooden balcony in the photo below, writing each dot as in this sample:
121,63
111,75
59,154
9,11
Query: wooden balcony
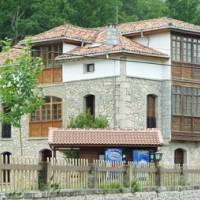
185,128
182,71
40,129
51,75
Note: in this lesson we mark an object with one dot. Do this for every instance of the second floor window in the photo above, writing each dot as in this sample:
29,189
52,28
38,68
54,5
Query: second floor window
151,111
185,101
90,104
185,49
51,110
89,68
48,54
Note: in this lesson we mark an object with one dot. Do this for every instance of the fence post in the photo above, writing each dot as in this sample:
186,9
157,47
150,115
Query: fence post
42,175
158,175
183,175
92,176
127,175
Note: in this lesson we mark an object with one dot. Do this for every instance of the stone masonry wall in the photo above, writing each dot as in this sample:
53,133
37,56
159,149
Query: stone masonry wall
31,146
121,100
98,195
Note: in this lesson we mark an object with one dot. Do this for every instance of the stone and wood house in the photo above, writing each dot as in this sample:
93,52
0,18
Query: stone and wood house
143,76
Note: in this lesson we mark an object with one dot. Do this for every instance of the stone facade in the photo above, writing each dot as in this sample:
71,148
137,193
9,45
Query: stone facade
191,154
31,146
121,99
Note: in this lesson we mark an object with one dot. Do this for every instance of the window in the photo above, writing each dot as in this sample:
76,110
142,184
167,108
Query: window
179,157
185,49
185,101
151,111
36,52
49,115
196,102
51,110
89,68
176,99
176,48
6,128
6,172
90,104
48,53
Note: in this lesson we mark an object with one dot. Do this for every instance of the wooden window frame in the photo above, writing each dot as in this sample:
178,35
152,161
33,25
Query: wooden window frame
151,118
52,50
50,104
184,39
182,96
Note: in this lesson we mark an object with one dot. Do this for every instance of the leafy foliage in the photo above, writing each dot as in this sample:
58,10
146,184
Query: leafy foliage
18,81
85,120
135,186
111,186
71,153
19,18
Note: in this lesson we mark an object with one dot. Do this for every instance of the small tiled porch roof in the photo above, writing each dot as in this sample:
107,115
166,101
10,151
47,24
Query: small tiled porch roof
104,137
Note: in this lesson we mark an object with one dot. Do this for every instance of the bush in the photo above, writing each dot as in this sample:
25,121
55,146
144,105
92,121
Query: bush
55,187
111,186
135,186
86,120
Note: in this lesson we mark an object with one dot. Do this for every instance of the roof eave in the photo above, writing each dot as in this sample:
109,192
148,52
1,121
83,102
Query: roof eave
100,54
56,39
164,28
104,145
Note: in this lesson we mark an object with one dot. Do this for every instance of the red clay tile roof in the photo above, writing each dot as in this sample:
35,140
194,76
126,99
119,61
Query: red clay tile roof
66,31
100,47
92,35
12,54
112,137
156,24
77,33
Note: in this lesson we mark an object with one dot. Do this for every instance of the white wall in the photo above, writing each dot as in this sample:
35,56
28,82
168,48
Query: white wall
68,47
148,71
160,42
103,68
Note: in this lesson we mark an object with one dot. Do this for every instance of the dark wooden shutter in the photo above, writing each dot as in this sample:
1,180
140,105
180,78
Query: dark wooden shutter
179,157
151,112
6,130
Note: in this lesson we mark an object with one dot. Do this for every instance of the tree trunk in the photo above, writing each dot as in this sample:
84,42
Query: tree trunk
20,139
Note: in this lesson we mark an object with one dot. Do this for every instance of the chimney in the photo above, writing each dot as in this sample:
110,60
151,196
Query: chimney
112,37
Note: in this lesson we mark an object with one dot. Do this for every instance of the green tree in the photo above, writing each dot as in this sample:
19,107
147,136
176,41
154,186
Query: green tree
186,10
29,17
86,120
147,9
18,92
93,13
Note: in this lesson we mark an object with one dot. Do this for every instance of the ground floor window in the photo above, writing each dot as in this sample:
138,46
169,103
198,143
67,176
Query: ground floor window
6,160
179,157
6,128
